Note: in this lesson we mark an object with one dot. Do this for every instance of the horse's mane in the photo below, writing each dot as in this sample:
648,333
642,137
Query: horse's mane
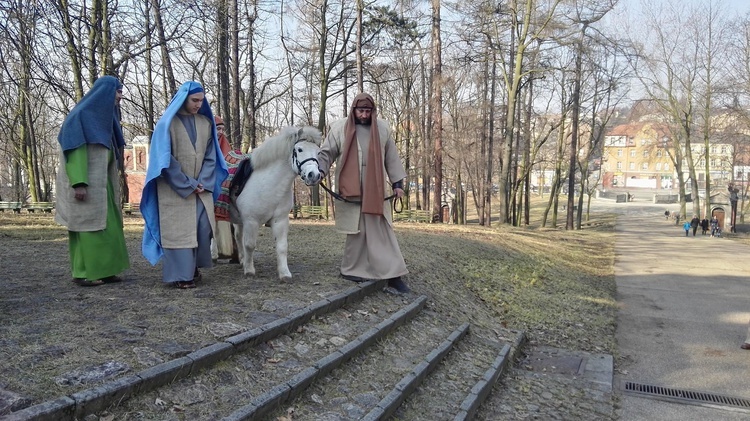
275,148
280,145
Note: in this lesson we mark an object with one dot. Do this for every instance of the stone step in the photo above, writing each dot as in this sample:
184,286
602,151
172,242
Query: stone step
358,386
104,396
262,405
260,374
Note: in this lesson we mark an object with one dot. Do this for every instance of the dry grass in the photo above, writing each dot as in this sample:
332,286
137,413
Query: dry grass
557,285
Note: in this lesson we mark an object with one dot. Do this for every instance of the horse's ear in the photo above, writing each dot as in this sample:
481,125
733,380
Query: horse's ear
299,133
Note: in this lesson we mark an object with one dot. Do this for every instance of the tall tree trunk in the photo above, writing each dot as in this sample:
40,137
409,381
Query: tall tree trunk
222,67
63,8
437,111
27,136
358,45
171,84
490,168
570,221
527,154
234,106
105,46
94,39
150,117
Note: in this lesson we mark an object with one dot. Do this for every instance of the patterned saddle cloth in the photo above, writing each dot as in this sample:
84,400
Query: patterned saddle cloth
221,207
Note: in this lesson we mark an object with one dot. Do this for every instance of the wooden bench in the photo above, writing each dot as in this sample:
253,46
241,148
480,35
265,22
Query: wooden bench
129,208
13,206
312,211
39,206
413,215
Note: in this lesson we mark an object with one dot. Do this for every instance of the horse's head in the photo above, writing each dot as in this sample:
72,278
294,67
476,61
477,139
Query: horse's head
305,155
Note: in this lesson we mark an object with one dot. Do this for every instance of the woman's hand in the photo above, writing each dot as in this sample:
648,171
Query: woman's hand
81,193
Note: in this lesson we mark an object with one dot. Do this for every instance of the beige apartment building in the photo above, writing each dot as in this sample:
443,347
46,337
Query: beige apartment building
635,155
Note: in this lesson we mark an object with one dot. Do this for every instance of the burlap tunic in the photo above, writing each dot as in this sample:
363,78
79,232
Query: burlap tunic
371,250
187,221
175,211
95,232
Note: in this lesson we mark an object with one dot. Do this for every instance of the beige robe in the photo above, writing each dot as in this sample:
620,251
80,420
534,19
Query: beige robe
91,214
347,214
177,215
371,250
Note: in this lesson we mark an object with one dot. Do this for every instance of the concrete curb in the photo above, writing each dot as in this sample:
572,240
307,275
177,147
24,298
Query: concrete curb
388,405
99,398
483,387
263,404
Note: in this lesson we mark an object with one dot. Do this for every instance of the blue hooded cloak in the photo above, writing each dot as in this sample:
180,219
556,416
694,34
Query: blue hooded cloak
159,160
89,121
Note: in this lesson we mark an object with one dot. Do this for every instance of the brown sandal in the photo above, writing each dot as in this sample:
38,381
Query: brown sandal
111,279
87,282
184,284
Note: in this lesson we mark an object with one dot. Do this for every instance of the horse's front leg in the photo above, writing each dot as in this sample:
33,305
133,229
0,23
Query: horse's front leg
280,229
249,239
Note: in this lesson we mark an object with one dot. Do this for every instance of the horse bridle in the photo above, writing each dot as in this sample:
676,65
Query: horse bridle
295,159
335,195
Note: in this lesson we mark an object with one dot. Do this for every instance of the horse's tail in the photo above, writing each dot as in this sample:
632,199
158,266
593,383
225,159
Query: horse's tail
244,170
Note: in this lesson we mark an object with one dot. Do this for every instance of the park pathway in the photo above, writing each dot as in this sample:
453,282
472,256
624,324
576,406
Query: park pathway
684,311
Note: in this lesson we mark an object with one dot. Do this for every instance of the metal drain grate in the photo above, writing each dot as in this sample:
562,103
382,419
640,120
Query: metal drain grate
685,396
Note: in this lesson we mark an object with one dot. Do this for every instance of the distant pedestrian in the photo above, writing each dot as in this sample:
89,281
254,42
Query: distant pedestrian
666,214
714,225
704,225
686,227
694,224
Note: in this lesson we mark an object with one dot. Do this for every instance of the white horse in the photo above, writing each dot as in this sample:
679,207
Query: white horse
266,197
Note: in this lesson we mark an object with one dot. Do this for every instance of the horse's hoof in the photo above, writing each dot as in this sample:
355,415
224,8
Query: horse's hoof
285,277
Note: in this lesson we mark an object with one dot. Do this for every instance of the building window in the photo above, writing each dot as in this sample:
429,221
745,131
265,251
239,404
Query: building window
666,166
714,162
713,149
702,162
645,154
658,166
658,153
619,165
644,166
632,153
724,150
632,165
619,152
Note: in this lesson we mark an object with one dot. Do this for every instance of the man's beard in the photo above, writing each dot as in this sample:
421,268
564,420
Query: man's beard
363,121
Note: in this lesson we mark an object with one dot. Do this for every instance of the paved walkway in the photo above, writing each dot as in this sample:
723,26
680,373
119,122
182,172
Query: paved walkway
684,313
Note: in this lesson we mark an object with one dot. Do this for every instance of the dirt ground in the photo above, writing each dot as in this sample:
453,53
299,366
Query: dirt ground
51,329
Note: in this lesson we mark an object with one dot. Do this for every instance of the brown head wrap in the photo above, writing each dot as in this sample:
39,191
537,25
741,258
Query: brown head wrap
223,141
349,178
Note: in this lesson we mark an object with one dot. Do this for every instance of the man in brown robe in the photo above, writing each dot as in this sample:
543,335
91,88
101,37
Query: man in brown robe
365,154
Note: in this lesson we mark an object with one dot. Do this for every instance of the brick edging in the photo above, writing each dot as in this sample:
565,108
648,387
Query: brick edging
483,387
388,405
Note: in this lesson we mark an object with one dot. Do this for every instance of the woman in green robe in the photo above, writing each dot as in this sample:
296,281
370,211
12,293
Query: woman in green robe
88,188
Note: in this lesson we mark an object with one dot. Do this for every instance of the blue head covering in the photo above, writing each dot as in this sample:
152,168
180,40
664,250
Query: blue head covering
159,159
95,119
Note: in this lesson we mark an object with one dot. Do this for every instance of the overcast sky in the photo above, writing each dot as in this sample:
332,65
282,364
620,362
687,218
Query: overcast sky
739,7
